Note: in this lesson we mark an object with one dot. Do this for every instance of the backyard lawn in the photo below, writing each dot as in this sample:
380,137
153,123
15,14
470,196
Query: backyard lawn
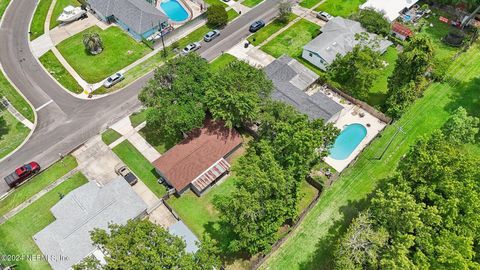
110,135
58,71
119,51
37,183
222,61
58,9
39,18
339,8
12,132
378,91
17,232
311,244
140,166
292,40
270,29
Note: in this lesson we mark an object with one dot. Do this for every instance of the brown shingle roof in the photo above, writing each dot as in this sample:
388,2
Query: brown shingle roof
191,157
402,29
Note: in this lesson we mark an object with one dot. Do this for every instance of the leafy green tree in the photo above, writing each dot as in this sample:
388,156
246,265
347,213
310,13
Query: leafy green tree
140,244
357,70
175,97
93,43
284,11
373,21
217,16
399,98
461,128
237,93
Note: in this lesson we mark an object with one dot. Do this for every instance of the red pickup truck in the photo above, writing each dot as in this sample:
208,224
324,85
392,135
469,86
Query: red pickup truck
21,174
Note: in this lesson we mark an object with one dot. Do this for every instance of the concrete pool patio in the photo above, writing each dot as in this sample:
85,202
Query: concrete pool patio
352,114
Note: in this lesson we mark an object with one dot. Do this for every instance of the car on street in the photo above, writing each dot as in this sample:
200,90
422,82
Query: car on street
211,35
324,16
191,47
254,27
123,170
21,174
114,79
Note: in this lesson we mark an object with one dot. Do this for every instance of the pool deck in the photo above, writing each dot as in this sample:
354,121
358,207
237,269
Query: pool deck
351,115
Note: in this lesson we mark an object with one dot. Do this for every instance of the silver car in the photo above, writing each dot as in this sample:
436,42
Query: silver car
114,79
191,47
324,16
211,35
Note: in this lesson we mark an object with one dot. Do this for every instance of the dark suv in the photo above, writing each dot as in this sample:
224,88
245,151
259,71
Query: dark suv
254,27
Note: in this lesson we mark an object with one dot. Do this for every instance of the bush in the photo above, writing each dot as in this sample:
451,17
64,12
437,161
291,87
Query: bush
217,16
440,68
373,21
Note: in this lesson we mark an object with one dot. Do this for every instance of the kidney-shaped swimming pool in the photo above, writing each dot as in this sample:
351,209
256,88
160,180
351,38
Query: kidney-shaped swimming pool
174,10
347,141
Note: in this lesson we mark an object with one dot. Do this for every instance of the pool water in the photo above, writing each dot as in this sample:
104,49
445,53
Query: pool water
174,10
347,141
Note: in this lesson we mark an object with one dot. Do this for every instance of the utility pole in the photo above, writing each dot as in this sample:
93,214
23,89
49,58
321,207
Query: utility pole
163,41
469,18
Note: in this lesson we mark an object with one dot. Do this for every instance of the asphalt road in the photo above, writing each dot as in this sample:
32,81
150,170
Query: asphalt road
63,121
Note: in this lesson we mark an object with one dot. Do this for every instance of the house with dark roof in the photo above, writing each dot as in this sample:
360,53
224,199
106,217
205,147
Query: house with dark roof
139,18
291,79
79,212
200,160
339,36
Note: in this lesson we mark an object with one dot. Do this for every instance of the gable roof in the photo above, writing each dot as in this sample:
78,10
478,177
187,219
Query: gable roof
82,210
187,160
402,29
390,8
139,15
339,37
291,79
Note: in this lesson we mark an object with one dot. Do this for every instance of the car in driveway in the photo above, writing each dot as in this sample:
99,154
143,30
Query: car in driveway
123,170
324,16
211,35
191,47
254,27
114,79
22,173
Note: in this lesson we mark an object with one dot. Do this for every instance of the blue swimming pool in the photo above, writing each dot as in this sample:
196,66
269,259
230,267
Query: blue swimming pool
347,141
174,10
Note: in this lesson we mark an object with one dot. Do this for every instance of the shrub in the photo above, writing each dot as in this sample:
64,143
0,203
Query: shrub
217,16
373,21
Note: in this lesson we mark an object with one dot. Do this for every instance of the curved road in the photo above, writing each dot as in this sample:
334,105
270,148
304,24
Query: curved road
63,121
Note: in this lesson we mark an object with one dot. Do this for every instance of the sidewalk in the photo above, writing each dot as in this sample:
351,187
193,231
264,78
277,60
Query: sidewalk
17,114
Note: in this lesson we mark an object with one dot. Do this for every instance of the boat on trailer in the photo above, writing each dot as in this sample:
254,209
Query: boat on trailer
70,14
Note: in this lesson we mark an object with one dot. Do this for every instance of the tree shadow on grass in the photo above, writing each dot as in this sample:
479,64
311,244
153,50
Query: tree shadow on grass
467,95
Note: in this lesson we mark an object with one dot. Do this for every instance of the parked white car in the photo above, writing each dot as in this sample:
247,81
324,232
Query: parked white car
324,16
211,35
191,47
114,79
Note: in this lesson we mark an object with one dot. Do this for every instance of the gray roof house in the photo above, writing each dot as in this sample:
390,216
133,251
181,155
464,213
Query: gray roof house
138,17
291,79
338,37
79,212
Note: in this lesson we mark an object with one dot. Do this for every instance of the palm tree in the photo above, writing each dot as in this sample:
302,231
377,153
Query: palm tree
93,43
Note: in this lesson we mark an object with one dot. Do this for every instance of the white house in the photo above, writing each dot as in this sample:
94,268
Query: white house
391,8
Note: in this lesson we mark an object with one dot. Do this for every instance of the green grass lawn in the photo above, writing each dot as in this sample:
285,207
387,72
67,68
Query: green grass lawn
12,133
251,3
119,51
17,232
436,33
154,140
307,193
292,40
37,183
58,9
140,166
311,244
39,18
110,135
338,8
222,61
378,92
58,71
270,29
216,2
7,90
3,6
137,118
232,14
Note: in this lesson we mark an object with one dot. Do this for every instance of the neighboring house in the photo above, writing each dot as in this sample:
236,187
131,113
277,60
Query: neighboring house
339,36
401,31
391,8
199,161
291,79
181,230
79,212
139,18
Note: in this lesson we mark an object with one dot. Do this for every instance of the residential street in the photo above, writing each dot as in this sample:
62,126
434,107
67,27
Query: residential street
63,121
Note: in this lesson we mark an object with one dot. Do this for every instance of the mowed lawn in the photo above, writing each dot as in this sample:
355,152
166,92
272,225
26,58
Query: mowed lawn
58,9
110,135
311,245
340,8
292,40
270,29
119,51
12,132
58,71
140,166
378,91
37,183
39,18
17,232
222,61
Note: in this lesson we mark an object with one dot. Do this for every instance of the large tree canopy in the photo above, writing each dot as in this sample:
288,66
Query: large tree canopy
373,21
140,244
